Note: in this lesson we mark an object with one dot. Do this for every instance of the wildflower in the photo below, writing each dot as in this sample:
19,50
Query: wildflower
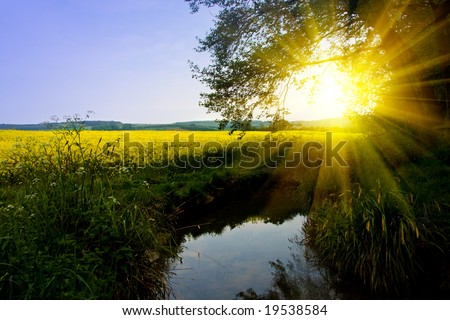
113,200
81,171
30,196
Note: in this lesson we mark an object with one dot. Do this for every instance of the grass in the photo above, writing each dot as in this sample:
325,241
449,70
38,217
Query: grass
76,223
375,237
389,228
68,233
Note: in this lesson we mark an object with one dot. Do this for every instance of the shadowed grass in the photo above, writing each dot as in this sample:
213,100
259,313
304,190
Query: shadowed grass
379,237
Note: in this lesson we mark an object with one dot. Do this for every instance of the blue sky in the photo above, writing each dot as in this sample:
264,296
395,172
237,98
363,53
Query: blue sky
124,60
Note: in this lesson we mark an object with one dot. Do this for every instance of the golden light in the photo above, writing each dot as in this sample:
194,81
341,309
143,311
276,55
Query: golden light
330,87
320,92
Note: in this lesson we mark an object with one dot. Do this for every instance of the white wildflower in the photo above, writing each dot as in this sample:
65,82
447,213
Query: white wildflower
113,200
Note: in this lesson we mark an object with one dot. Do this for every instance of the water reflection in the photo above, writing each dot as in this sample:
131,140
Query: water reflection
249,260
298,278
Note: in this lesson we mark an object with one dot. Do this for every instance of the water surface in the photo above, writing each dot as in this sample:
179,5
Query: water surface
255,257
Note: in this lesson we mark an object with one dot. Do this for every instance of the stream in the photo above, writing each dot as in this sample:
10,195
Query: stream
250,246
247,250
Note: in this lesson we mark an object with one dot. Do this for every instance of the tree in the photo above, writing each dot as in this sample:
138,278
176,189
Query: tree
414,36
258,49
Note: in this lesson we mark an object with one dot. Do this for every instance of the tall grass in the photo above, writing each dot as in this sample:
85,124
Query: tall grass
377,237
68,230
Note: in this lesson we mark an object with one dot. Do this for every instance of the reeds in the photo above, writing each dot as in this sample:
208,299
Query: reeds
377,237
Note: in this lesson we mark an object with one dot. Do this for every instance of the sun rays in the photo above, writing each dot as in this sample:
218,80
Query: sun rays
392,62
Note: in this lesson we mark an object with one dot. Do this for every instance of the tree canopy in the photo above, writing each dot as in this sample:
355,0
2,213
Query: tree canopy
396,52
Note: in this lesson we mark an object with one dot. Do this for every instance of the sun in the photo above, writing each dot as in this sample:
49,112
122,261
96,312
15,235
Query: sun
319,92
332,88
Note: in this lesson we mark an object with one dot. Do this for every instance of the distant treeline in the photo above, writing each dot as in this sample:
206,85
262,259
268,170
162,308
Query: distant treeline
256,125
117,125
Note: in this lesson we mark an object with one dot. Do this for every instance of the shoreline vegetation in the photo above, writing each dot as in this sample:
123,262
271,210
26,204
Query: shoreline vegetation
78,223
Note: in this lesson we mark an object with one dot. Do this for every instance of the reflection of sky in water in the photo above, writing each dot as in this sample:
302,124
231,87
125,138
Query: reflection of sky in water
220,266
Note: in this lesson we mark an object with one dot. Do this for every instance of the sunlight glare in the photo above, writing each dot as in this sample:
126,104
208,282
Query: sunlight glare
324,94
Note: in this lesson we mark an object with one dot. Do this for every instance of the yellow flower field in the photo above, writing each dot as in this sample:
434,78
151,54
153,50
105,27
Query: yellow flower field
11,141
147,146
9,138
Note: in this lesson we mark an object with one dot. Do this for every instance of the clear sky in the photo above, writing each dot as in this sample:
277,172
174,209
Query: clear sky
125,60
